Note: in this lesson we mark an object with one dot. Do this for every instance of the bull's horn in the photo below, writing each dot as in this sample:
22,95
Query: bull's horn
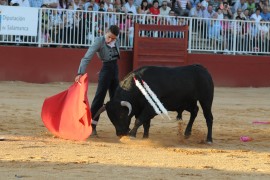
103,108
128,105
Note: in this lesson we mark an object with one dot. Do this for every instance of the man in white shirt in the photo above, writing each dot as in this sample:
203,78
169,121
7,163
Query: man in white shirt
164,9
196,11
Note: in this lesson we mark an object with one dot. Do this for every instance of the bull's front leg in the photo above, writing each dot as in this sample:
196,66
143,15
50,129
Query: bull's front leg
146,127
145,119
134,130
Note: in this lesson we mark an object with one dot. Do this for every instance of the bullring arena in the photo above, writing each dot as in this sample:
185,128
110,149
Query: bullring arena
29,151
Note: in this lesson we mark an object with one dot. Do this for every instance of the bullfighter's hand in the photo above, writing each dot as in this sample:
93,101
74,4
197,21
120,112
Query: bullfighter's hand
77,78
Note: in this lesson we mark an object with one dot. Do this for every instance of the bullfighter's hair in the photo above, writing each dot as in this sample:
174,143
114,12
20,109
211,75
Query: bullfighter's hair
146,95
155,98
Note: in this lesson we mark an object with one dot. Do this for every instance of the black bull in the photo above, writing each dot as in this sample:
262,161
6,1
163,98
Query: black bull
178,89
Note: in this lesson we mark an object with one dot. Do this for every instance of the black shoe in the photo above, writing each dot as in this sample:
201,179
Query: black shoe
94,132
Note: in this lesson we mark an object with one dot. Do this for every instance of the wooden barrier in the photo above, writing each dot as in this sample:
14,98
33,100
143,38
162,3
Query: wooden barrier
43,65
162,51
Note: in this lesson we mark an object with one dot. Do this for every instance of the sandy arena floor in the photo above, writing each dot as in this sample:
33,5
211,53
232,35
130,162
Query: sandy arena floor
29,151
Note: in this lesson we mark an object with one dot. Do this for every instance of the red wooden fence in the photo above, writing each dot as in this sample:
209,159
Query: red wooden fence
164,51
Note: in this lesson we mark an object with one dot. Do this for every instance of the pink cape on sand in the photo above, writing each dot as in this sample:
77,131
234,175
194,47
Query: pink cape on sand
67,114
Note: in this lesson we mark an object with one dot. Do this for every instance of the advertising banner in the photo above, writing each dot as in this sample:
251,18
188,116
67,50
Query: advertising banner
18,20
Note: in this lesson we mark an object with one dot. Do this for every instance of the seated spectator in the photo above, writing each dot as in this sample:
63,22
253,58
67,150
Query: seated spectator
142,11
239,13
215,4
181,7
154,10
77,4
264,34
263,28
253,32
92,3
209,12
69,28
196,11
101,6
265,14
247,14
193,3
172,19
251,6
256,16
51,3
227,35
118,6
110,18
237,30
126,26
144,8
262,3
214,31
240,4
226,10
220,14
107,5
204,7
164,9
130,7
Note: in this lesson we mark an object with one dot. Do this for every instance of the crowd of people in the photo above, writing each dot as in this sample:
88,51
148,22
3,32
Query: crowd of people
245,9
62,24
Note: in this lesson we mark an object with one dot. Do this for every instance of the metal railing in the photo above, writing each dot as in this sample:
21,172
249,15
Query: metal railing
70,28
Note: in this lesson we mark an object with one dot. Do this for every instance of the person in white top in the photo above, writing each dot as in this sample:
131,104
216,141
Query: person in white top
164,9
256,16
107,5
196,11
129,6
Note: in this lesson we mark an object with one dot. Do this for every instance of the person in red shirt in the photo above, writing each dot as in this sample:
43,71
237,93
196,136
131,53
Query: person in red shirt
154,9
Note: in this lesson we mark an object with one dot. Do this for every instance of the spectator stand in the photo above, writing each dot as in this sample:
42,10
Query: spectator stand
164,45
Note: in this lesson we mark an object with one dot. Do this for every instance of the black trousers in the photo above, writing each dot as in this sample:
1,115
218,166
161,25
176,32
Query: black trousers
108,80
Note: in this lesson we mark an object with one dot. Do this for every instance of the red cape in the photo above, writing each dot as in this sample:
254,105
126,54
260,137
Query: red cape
67,114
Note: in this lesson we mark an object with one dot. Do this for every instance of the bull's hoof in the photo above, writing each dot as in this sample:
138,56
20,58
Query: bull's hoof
132,137
187,135
145,136
209,142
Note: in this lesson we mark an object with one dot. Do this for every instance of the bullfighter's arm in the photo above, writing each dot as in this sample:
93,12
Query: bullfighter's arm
89,55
